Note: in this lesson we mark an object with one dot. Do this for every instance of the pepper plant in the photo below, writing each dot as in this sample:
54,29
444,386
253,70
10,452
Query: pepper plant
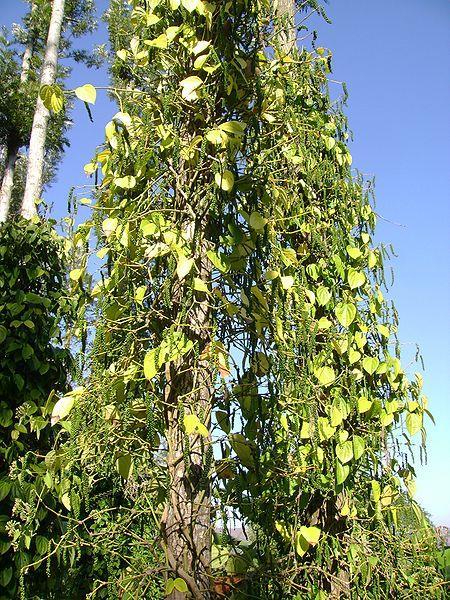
243,363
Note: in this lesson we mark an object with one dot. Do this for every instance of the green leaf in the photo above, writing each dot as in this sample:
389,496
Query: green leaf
345,313
225,180
151,366
325,375
52,97
200,47
355,278
5,487
257,221
353,356
109,226
170,584
336,416
192,424
124,465
62,408
359,446
180,585
413,423
330,143
301,544
217,137
86,93
6,576
342,472
223,421
3,333
370,364
344,451
243,449
139,294
323,295
217,261
235,127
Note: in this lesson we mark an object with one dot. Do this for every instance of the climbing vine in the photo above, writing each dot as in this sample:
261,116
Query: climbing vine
240,362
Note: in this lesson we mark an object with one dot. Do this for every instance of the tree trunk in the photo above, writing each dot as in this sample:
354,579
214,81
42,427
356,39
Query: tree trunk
33,187
7,182
287,34
186,523
12,150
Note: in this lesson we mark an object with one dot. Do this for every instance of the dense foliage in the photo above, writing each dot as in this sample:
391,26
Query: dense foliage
34,366
237,360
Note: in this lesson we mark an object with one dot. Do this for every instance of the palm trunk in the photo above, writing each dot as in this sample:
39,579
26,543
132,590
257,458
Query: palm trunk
186,523
33,187
12,150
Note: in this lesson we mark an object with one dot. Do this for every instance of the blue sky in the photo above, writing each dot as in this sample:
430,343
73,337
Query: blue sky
394,57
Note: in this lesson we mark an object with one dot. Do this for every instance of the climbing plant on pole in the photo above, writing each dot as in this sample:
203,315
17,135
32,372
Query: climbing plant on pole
243,362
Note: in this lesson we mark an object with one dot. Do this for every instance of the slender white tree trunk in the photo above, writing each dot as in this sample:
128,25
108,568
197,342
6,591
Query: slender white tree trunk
12,150
33,186
7,183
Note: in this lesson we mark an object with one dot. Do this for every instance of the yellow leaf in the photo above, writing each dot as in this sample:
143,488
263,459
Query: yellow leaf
216,137
199,285
311,534
325,375
287,282
200,47
364,404
190,86
127,182
190,5
76,274
184,266
192,424
86,93
122,54
172,32
109,226
159,42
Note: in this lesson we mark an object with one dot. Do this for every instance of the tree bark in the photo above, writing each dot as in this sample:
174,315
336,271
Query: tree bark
287,34
186,523
33,186
12,149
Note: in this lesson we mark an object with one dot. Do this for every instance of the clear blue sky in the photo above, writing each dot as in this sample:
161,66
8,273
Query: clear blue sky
394,57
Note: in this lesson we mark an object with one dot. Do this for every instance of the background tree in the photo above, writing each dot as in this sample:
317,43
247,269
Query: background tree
21,64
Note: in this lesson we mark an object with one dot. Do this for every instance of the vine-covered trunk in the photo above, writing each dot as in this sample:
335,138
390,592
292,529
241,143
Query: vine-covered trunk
187,519
33,186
